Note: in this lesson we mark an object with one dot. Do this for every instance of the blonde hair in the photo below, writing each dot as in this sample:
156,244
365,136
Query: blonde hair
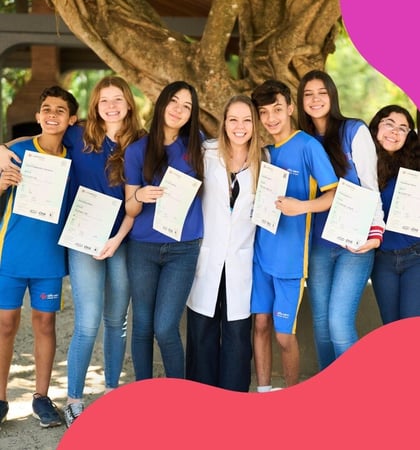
95,128
255,152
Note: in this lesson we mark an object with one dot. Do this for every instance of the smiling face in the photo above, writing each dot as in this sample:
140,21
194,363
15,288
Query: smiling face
112,105
54,115
238,123
178,111
392,132
316,101
276,118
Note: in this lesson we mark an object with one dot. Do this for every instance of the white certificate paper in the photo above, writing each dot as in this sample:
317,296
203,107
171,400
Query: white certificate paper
404,213
272,183
351,215
172,208
44,179
90,221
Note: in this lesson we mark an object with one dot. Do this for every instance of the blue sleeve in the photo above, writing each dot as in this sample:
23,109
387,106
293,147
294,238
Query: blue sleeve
321,167
20,147
73,137
133,163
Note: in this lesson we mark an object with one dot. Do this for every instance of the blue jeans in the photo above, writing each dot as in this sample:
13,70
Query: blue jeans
100,289
337,279
161,277
219,352
396,283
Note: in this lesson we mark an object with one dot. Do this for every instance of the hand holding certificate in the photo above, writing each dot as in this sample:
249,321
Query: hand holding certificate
40,194
404,213
90,221
272,183
351,215
172,208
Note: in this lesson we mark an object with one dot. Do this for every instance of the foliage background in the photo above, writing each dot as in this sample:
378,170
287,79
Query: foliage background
362,89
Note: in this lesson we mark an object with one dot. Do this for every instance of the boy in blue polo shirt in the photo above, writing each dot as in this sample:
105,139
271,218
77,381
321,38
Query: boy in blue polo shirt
30,258
280,259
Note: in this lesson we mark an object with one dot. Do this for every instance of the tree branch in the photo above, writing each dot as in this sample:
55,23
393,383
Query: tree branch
278,39
218,29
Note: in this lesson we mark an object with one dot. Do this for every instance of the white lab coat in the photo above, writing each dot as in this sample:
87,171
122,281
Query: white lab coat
228,240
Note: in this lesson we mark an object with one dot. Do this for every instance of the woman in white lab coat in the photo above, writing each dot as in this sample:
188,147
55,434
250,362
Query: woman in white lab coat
219,350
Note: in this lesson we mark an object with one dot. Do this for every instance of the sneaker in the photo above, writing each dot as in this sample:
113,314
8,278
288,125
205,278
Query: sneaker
71,412
4,409
45,411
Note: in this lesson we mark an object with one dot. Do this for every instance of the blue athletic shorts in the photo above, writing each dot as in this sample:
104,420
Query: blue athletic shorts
280,297
45,293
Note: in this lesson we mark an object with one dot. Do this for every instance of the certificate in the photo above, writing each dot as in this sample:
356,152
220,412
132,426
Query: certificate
404,213
272,183
351,215
90,221
44,179
172,208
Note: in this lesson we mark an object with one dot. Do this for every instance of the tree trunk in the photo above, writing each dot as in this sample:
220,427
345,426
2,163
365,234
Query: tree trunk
279,39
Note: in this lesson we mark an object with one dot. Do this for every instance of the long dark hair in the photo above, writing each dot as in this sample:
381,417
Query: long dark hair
156,160
409,154
332,140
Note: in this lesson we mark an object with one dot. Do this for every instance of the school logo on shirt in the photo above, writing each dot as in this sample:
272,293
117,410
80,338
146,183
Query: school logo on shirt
47,297
293,171
281,315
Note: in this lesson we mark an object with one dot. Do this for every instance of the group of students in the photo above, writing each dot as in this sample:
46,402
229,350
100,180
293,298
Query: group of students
238,281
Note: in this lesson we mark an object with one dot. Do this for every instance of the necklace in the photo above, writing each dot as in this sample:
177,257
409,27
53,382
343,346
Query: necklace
238,166
110,144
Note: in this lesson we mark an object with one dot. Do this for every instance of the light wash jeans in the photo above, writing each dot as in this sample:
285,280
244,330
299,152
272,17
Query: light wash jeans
161,277
100,289
337,279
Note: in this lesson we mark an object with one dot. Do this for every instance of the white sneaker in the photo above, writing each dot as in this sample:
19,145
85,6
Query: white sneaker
72,411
